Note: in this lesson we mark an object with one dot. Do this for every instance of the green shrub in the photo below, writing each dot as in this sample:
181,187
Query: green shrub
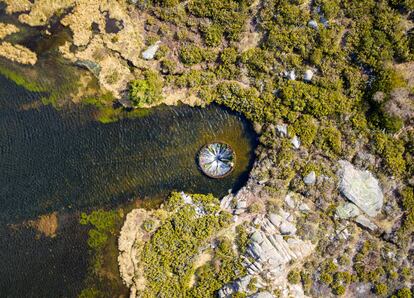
404,293
168,257
146,91
306,128
294,277
339,290
191,54
392,152
381,289
329,140
326,278
213,35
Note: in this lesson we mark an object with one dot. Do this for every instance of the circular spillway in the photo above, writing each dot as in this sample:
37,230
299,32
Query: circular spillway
216,160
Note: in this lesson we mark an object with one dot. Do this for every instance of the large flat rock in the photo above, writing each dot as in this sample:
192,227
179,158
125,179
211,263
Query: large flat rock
361,188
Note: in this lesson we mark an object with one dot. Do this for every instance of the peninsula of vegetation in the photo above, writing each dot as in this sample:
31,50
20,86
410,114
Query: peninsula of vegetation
328,209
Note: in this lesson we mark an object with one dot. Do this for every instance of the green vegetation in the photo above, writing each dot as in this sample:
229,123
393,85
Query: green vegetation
103,223
20,79
169,255
294,277
191,54
146,91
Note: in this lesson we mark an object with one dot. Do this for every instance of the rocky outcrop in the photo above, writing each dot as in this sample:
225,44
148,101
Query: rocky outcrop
17,53
270,253
361,188
129,250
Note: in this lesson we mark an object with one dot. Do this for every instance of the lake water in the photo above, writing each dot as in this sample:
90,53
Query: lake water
64,160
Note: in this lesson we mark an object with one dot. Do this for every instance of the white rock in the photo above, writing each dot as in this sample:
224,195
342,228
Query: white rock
308,75
287,228
313,24
241,204
361,188
275,219
284,214
291,75
282,129
295,142
186,198
310,178
150,52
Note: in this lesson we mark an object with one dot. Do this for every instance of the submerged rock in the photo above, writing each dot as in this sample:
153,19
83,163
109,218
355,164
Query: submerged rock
361,188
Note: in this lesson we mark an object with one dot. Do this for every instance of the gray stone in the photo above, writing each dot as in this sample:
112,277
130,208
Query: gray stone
282,129
361,188
347,210
364,221
287,228
289,201
313,24
275,219
310,178
150,52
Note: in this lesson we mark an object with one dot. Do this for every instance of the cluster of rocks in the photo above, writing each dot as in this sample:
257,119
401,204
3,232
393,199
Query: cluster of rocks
273,244
307,76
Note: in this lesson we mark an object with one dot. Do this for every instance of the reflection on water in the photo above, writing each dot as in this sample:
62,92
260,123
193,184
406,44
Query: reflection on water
63,160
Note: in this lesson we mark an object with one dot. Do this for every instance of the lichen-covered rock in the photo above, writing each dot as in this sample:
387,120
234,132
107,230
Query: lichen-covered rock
347,210
361,188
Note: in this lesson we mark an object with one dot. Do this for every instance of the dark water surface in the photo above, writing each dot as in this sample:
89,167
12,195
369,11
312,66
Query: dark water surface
65,161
